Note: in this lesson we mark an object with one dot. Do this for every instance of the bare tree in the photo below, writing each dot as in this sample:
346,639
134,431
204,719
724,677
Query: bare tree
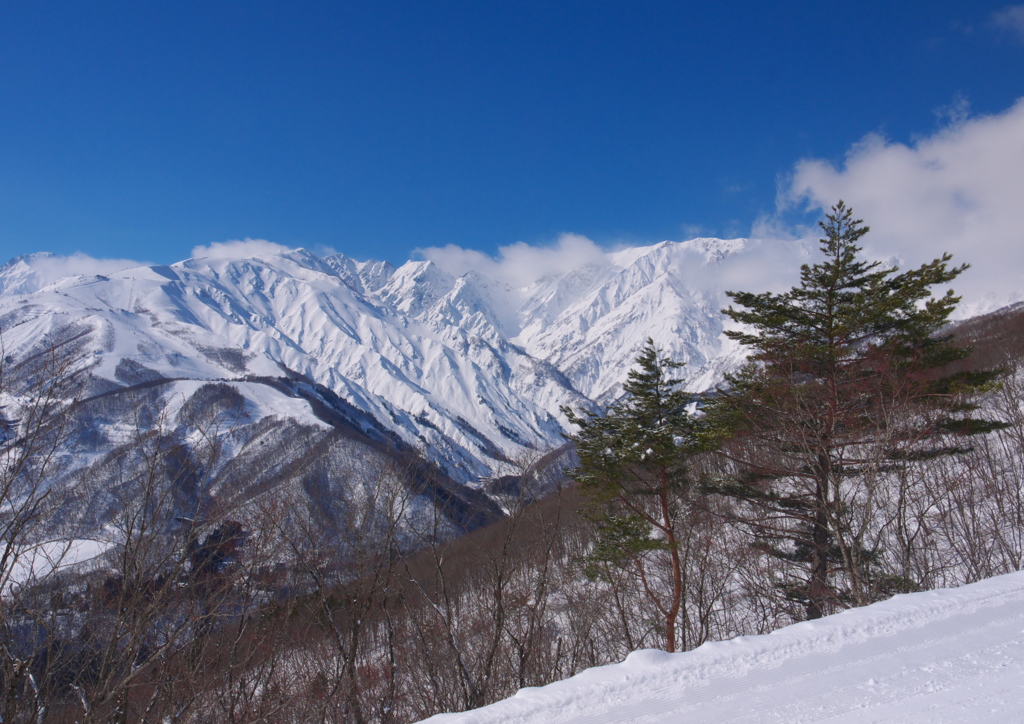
36,394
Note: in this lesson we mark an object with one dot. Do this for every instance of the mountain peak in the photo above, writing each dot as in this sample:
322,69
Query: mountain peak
466,367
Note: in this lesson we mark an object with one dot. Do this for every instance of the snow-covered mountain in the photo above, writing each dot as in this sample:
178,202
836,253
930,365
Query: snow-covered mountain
468,369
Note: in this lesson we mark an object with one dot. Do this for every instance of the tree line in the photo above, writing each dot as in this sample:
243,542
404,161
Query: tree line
858,454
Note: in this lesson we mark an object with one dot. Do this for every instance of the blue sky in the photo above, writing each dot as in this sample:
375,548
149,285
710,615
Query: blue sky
144,129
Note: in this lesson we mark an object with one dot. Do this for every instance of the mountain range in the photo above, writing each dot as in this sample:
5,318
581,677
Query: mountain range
468,369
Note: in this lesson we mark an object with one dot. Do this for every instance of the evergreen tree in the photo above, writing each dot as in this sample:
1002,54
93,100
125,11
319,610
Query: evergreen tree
844,382
633,472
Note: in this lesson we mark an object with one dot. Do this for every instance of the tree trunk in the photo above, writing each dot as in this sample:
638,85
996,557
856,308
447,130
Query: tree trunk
677,569
817,590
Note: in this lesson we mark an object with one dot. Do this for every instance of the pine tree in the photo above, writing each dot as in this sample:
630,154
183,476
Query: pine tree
844,381
633,472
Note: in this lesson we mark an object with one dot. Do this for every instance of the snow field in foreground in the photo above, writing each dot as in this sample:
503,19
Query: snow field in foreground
953,655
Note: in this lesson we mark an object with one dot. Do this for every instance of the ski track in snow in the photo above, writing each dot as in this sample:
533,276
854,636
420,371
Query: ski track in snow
955,655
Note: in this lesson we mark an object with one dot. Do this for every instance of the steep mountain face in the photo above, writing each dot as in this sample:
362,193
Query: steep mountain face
591,322
467,369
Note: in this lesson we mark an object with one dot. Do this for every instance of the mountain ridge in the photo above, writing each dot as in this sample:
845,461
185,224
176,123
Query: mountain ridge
467,367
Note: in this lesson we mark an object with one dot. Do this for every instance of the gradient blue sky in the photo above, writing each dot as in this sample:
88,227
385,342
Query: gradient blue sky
142,129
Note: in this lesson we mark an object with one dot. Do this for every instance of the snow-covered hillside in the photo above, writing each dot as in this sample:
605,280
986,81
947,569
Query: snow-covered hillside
954,655
466,368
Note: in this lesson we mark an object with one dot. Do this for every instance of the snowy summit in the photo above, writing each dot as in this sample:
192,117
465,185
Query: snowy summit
467,365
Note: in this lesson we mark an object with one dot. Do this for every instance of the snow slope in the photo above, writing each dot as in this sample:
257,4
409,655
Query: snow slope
952,655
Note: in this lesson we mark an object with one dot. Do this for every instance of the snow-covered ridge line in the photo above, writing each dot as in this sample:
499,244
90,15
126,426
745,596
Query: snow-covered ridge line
468,368
945,655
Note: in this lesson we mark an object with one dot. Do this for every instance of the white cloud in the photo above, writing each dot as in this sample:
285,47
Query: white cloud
958,190
1011,20
518,264
32,272
49,268
238,249
765,265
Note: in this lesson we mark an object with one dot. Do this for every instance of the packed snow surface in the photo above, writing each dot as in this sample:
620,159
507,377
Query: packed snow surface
953,655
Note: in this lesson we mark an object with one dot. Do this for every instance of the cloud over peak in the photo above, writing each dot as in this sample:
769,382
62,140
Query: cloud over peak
518,264
238,249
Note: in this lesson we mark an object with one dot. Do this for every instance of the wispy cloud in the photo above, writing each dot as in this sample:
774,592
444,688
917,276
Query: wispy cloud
954,114
519,264
238,249
958,190
45,269
54,267
1010,20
